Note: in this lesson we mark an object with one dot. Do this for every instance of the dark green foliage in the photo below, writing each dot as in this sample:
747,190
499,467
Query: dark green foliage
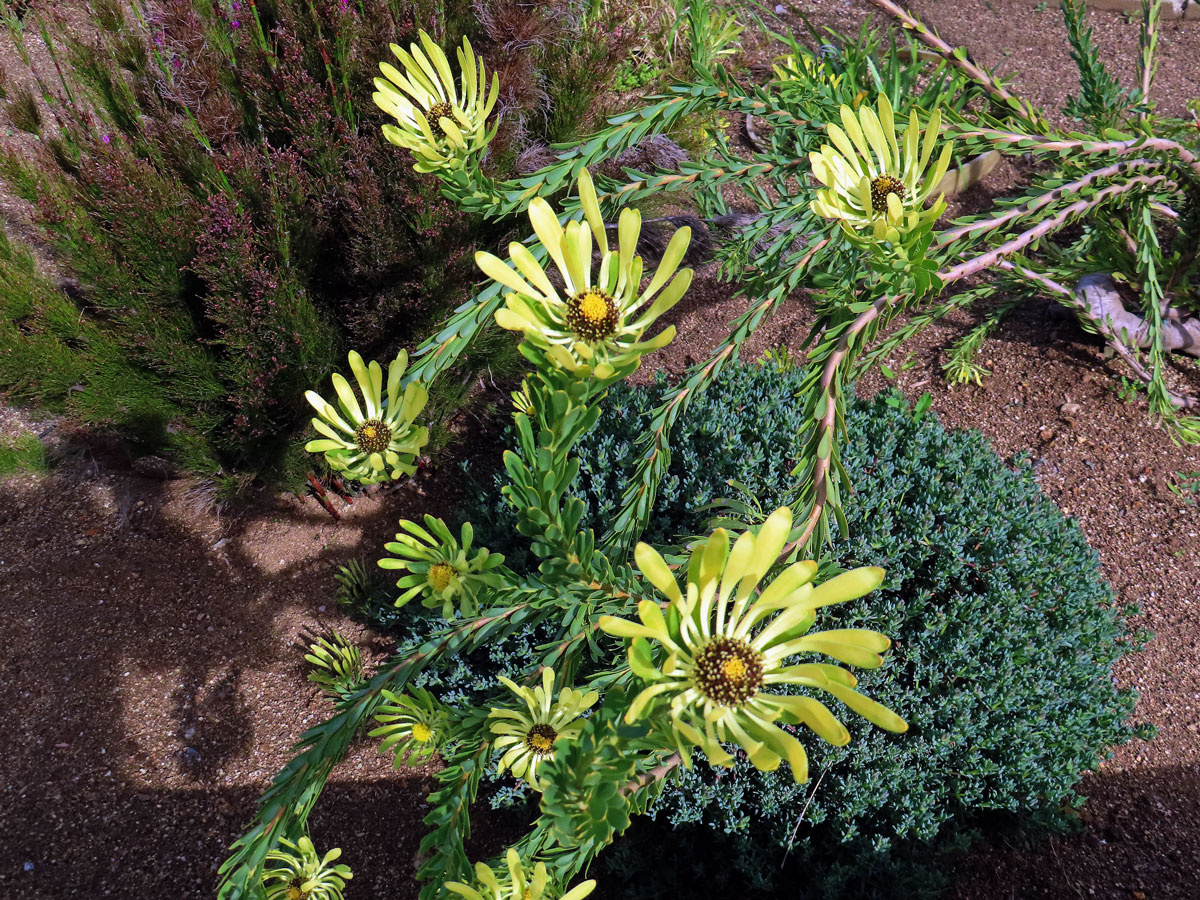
553,60
1005,633
579,71
584,797
54,356
1101,100
23,111
21,454
706,862
229,218
362,587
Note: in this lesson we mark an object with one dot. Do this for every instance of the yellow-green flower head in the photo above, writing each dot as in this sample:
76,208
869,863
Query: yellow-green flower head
596,325
518,884
802,66
725,644
337,664
412,726
441,567
521,400
376,441
440,124
872,182
530,733
295,872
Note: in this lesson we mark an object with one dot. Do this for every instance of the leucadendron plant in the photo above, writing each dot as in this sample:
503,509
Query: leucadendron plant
711,646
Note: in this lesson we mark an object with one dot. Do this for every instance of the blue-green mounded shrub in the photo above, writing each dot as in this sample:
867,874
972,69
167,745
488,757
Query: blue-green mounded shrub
1005,634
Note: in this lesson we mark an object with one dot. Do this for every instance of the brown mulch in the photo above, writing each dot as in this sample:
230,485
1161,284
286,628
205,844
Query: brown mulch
152,682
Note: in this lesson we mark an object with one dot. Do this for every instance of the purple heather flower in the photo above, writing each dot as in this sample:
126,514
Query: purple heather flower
105,138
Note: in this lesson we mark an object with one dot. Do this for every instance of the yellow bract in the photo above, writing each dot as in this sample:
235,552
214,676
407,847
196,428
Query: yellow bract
801,66
530,733
725,641
412,726
596,325
292,865
518,885
377,440
441,566
875,184
440,124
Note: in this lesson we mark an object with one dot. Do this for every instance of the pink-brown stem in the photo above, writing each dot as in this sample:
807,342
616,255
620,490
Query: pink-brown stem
1147,64
653,775
948,237
1021,241
970,267
1120,148
931,39
724,353
826,423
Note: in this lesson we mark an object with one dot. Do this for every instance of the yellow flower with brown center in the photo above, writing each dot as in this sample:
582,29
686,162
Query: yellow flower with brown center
593,314
412,726
294,871
377,440
517,883
441,124
540,739
726,642
596,324
530,733
441,567
881,186
873,182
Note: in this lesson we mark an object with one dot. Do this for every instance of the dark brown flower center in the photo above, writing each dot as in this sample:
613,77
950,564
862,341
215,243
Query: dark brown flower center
442,110
592,314
881,186
540,739
373,436
729,672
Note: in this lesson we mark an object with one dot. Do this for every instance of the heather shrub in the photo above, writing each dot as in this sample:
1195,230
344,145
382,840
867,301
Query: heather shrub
212,182
54,356
22,454
1004,631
